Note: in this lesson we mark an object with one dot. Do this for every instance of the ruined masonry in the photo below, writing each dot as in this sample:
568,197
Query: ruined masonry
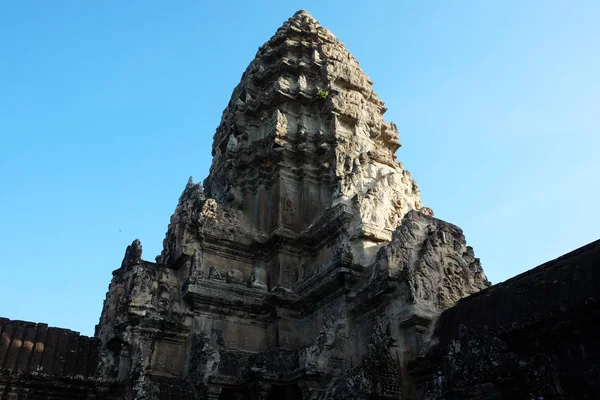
306,267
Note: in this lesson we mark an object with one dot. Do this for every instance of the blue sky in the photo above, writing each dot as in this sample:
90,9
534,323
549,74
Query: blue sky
106,109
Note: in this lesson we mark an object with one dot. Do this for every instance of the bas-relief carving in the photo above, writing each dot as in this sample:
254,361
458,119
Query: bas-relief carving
286,278
328,351
289,205
310,205
168,358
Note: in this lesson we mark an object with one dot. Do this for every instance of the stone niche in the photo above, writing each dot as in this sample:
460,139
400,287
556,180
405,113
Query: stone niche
168,358
284,270
225,264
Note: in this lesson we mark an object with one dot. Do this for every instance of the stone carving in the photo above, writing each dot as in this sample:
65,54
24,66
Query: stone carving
215,274
480,362
259,278
164,297
235,276
204,362
168,358
133,255
510,340
290,207
286,275
376,376
432,260
219,337
209,209
327,352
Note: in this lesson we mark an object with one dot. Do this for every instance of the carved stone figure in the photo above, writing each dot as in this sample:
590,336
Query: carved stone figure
215,274
235,276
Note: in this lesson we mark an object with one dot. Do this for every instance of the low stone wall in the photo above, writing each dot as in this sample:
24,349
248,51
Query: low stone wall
33,347
37,361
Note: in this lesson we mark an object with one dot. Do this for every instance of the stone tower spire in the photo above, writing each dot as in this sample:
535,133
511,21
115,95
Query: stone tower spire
304,258
304,132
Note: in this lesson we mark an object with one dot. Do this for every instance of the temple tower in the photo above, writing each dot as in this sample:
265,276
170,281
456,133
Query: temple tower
303,140
305,257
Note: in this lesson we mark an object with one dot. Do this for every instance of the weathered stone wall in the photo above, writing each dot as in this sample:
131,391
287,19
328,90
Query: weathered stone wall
38,362
32,347
533,336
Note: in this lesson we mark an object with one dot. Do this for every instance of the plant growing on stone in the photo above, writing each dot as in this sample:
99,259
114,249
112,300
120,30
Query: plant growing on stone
322,94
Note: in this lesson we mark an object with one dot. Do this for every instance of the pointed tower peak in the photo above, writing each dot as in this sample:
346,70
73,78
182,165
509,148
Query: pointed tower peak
301,21
301,14
304,130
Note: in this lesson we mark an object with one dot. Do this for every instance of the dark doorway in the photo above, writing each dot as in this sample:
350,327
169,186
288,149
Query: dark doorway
287,392
234,394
